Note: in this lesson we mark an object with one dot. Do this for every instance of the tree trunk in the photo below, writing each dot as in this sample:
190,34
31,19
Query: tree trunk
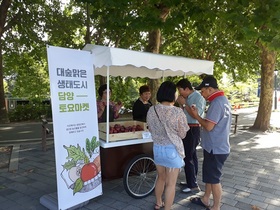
4,7
5,4
3,109
154,45
268,60
87,36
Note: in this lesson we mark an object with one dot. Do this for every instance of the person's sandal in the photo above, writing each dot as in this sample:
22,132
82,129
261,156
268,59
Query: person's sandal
158,206
198,201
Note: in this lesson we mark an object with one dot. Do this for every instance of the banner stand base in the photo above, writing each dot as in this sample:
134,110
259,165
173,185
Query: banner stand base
50,202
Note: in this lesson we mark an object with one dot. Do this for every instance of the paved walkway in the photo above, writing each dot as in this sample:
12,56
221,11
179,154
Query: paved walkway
251,177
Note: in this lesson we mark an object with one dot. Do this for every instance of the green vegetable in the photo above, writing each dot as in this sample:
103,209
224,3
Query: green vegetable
93,144
88,147
75,153
70,164
78,185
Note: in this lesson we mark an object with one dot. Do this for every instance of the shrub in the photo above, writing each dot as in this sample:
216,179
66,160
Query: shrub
30,112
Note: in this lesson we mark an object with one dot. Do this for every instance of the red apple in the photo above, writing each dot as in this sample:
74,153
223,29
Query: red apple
88,172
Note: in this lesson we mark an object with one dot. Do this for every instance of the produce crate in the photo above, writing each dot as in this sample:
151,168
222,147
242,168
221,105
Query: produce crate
122,136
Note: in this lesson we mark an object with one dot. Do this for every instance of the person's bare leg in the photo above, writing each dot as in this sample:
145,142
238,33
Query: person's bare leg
206,197
217,196
160,183
171,179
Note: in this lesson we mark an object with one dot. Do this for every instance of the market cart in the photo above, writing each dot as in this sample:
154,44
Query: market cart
131,156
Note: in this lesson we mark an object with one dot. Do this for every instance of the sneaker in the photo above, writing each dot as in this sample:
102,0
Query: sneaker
195,190
187,190
192,190
183,183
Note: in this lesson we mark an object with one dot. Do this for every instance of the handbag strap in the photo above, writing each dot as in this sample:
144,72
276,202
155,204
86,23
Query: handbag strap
160,120
157,113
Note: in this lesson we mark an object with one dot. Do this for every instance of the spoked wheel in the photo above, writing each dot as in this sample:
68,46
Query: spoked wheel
140,176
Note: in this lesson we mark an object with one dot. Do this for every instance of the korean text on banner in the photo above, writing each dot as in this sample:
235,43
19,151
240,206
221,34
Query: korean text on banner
75,126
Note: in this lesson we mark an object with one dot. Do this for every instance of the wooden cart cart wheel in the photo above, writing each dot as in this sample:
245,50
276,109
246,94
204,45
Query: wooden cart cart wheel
140,176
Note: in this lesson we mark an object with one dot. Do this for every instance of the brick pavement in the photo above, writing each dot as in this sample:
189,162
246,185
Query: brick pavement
251,177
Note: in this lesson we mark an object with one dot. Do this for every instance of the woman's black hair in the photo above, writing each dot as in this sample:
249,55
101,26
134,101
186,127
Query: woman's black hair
102,88
166,92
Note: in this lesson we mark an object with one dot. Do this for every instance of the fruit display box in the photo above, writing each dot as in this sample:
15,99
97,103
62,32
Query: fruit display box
122,135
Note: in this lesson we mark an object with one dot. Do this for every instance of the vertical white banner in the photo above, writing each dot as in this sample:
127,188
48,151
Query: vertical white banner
75,126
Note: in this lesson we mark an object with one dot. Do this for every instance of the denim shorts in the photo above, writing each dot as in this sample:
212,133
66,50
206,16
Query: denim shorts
167,156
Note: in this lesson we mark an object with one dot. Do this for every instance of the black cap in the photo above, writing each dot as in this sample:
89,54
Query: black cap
208,81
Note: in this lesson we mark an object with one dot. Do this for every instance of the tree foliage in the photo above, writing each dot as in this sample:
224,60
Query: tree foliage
241,36
25,29
258,22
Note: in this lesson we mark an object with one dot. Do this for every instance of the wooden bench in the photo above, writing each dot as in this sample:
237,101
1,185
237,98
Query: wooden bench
46,132
234,122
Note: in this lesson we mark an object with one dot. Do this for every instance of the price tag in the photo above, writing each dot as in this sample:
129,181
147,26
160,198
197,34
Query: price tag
146,135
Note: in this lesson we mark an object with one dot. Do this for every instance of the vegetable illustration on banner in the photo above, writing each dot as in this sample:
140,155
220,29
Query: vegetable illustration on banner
82,171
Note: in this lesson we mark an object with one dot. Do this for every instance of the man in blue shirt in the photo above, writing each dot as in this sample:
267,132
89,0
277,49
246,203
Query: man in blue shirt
187,98
214,141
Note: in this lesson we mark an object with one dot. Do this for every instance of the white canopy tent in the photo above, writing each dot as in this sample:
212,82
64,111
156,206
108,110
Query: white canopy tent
109,61
122,62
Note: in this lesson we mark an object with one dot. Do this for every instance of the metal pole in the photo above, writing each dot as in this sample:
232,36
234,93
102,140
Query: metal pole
275,93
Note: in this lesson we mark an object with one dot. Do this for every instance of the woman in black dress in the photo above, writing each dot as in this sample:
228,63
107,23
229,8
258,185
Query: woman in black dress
142,104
